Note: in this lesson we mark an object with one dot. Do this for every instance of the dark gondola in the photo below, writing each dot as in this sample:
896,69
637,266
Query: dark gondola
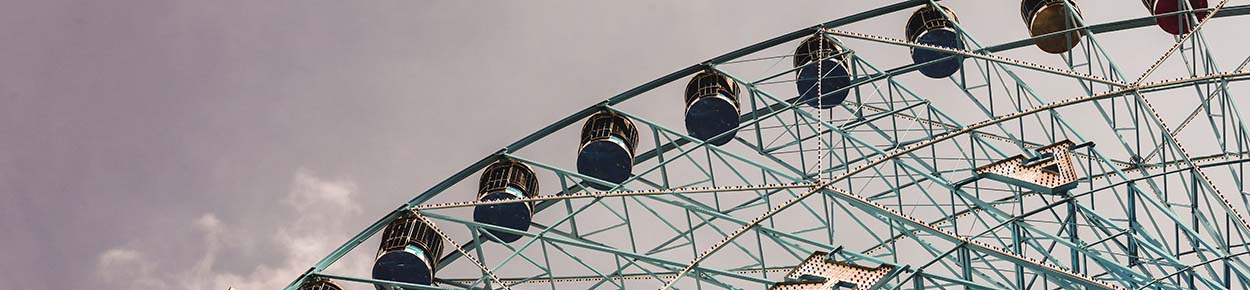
409,252
319,284
506,179
819,56
935,25
712,107
607,148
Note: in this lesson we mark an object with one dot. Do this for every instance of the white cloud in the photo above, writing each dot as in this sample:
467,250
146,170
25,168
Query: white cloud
308,191
128,269
301,242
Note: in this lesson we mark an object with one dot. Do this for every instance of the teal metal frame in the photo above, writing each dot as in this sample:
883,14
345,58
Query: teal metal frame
1147,214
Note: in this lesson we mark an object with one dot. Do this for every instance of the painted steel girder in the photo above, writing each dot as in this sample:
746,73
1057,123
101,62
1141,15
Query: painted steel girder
1051,171
820,271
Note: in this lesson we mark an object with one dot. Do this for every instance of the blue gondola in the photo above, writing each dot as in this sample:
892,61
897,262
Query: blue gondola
712,107
409,253
832,65
933,26
607,148
506,179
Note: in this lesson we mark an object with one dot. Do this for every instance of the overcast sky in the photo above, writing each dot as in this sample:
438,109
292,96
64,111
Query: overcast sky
179,144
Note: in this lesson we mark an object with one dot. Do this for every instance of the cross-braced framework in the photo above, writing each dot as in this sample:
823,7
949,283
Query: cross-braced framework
1024,186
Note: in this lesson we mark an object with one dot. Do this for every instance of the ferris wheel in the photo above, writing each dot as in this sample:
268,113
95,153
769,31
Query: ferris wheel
801,162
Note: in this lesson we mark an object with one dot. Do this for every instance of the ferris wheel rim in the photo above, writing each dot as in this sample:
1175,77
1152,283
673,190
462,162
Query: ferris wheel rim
624,96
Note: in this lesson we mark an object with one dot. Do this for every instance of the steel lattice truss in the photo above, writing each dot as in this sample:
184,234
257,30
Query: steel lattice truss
886,181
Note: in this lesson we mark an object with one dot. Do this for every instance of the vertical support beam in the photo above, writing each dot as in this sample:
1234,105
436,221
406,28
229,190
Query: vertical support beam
1073,235
1017,245
1132,225
917,281
1193,214
965,263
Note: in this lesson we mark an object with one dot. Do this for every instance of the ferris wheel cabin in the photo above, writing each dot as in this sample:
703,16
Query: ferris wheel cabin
712,107
320,284
607,148
1052,16
1172,19
506,179
409,252
819,58
935,25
